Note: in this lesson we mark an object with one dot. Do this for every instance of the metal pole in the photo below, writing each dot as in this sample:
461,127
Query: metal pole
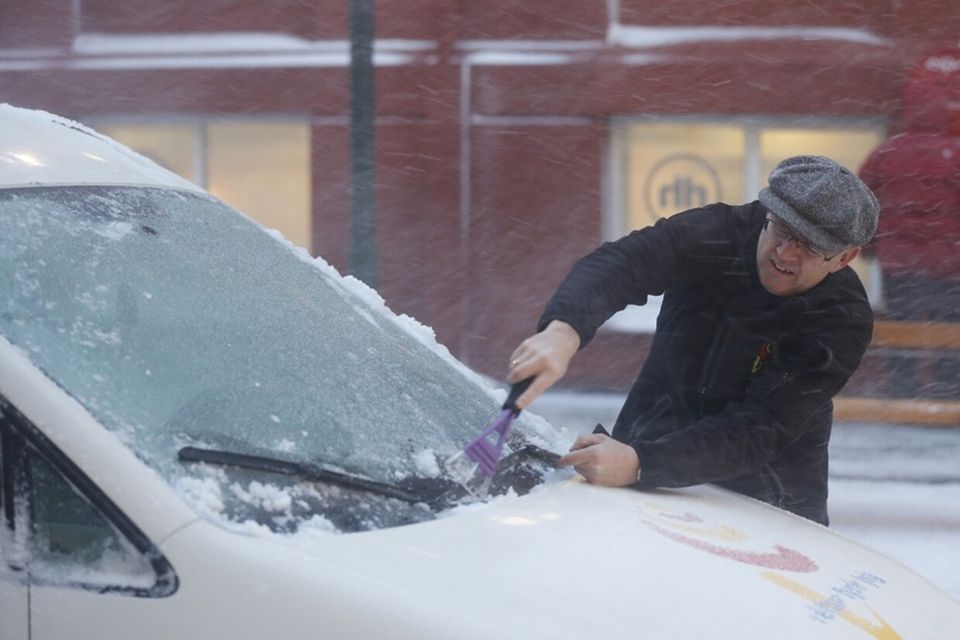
362,257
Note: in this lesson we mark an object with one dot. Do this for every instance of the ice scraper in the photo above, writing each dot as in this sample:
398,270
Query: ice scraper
475,466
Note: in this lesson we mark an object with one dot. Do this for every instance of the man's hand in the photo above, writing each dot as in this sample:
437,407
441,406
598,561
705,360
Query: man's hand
545,355
603,461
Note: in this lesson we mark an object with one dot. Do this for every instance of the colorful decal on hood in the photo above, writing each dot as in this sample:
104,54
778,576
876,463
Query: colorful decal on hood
723,532
780,558
824,609
673,526
727,542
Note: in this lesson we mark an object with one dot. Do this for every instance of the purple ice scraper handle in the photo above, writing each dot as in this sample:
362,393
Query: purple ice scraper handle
480,450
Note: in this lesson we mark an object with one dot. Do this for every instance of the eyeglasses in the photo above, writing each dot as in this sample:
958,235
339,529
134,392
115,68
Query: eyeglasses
782,234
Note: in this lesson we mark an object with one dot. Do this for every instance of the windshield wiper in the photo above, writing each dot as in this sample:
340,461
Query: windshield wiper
520,470
299,469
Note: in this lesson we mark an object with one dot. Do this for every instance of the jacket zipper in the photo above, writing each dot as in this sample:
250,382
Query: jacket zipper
713,356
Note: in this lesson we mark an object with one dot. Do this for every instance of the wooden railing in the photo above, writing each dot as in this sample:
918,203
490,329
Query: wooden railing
916,335
910,338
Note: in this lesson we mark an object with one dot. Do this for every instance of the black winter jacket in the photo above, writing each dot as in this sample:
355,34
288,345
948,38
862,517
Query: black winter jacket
737,388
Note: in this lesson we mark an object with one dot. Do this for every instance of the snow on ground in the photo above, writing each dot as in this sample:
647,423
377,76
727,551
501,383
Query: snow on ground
894,488
915,523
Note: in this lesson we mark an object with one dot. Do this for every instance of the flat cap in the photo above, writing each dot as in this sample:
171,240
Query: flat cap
825,203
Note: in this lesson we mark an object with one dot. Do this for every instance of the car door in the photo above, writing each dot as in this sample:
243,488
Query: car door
13,601
14,594
84,563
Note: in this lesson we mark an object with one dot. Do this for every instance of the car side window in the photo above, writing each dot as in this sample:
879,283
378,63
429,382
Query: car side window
5,523
71,541
3,491
59,534
69,532
11,556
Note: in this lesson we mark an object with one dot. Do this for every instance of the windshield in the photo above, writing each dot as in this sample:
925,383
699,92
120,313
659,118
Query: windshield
178,322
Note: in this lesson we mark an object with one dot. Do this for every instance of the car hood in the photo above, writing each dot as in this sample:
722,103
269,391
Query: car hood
573,560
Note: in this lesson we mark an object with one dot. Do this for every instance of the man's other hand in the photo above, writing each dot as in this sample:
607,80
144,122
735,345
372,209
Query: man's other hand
603,461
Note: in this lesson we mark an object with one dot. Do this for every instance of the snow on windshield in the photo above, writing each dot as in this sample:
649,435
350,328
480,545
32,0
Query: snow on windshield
177,322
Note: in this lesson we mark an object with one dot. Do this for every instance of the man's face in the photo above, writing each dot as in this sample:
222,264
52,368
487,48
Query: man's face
788,265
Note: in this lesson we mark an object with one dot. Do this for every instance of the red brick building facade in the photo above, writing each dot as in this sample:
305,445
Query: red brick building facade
495,120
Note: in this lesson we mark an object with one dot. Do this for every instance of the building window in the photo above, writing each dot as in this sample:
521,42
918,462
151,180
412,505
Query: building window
259,166
661,167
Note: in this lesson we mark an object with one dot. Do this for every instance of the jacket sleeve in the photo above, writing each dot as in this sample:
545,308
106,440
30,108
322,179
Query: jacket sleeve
794,388
645,262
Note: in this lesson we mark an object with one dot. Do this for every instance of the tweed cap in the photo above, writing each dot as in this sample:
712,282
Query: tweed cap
824,203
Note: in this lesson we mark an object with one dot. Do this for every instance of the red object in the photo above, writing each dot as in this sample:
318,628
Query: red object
916,175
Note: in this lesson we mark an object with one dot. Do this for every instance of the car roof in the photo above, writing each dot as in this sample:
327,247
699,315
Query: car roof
41,149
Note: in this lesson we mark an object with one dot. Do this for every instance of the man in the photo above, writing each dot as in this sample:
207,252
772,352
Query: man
762,324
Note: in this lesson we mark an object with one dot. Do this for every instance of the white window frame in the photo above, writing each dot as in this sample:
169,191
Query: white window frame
637,319
199,123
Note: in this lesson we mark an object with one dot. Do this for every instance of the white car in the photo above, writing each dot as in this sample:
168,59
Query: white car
205,433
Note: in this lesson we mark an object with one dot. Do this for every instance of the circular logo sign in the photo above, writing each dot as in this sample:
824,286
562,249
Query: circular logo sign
679,182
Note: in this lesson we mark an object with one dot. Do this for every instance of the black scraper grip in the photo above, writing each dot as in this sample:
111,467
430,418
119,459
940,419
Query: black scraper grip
515,392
